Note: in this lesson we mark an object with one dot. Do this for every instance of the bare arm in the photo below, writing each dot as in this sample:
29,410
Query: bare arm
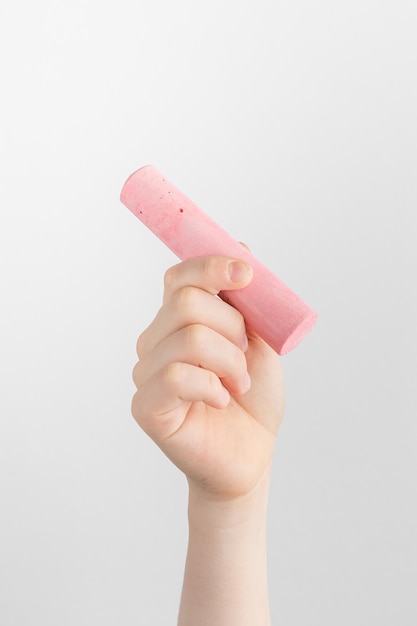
210,393
225,579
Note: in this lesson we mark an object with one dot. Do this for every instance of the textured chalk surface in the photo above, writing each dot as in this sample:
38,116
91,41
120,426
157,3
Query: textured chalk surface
276,313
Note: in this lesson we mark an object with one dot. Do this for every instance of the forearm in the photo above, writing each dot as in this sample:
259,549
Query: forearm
225,580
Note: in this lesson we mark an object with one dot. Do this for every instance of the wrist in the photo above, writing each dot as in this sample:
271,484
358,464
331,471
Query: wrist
206,510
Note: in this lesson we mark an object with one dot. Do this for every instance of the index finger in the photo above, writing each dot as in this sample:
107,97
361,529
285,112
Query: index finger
210,273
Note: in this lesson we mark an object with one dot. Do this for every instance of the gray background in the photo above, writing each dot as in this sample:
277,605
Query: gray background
294,125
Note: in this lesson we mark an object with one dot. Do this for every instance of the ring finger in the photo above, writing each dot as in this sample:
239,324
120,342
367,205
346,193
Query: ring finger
202,347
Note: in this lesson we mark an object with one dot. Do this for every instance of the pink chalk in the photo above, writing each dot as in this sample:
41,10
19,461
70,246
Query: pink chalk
269,307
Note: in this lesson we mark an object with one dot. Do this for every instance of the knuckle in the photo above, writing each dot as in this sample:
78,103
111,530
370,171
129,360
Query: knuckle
173,375
134,408
141,345
137,373
195,337
187,300
170,278
215,265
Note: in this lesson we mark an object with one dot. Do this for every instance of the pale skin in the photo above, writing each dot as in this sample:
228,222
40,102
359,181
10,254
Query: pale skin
210,393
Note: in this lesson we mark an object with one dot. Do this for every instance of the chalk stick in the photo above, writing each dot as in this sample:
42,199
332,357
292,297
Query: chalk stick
268,306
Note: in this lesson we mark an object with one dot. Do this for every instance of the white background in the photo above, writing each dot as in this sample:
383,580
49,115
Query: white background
293,124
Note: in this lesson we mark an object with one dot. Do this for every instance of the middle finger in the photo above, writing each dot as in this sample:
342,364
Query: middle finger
189,306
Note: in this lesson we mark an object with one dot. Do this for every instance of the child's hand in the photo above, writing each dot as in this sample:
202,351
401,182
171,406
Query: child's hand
194,396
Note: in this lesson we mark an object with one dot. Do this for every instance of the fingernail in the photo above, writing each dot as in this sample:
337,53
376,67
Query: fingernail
238,271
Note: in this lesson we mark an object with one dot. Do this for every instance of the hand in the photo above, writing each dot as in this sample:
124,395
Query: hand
210,392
